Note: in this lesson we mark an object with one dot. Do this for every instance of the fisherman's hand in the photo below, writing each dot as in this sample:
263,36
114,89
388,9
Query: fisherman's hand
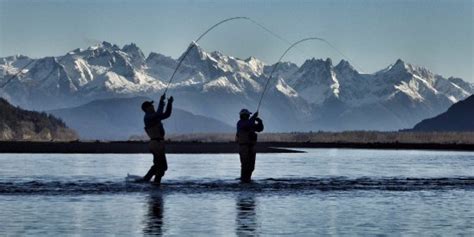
258,120
171,99
255,115
163,97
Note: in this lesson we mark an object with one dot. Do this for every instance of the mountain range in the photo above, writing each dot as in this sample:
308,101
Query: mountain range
318,95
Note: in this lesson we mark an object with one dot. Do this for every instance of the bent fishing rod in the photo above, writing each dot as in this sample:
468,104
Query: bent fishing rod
281,58
194,43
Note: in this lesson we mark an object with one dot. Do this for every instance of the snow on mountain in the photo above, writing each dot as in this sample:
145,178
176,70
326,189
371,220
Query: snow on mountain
315,81
316,95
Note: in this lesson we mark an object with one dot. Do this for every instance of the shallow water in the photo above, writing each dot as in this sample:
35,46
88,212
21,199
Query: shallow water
322,192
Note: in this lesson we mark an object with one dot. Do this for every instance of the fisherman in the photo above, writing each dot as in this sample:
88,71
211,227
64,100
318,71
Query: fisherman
246,136
156,132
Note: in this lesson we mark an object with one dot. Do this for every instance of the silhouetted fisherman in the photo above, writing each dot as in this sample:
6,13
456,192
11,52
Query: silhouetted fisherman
246,136
156,132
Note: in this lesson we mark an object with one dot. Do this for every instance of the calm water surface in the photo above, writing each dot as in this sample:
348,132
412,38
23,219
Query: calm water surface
321,192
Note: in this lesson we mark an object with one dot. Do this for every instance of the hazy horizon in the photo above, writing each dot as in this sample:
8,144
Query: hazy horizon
373,34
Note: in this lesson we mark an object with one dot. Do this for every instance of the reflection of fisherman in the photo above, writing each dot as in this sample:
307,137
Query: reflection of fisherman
154,218
246,220
156,132
247,129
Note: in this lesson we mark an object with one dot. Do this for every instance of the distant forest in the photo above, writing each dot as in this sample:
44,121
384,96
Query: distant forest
19,124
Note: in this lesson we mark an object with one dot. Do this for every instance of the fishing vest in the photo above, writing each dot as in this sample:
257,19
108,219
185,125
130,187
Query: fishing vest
155,132
246,137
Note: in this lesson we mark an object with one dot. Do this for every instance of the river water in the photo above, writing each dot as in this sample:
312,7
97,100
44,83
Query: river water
321,192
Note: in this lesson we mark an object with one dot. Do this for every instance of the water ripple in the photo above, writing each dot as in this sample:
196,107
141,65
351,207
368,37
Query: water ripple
262,185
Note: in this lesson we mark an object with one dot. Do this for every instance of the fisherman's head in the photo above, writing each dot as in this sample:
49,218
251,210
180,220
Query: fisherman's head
148,107
244,114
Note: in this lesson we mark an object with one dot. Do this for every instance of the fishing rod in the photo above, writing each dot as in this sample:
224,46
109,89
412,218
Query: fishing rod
194,43
279,61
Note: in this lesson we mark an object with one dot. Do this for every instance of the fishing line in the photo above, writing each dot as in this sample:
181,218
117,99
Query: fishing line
279,61
193,44
49,74
16,74
288,42
210,29
59,67
254,22
190,48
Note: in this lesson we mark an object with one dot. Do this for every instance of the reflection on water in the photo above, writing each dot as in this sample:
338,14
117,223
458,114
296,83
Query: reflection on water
154,217
246,220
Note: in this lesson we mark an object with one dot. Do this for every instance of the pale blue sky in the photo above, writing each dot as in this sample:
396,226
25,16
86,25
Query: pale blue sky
373,33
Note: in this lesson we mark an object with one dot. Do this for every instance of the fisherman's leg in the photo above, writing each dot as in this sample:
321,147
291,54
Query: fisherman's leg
251,162
153,146
246,164
150,173
160,161
243,153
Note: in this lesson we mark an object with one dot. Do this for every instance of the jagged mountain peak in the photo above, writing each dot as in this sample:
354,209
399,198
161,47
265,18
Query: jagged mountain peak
317,62
135,53
130,47
195,51
315,81
398,66
157,57
16,57
328,61
313,65
251,58
402,67
199,53
399,62
104,45
345,71
254,60
343,64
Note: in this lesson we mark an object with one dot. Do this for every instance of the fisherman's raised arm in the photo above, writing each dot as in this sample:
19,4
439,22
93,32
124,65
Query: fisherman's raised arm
161,105
169,108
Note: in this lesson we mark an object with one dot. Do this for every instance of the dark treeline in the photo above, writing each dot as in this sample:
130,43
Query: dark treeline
19,124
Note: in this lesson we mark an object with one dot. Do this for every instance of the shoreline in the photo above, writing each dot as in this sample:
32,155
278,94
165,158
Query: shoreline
131,147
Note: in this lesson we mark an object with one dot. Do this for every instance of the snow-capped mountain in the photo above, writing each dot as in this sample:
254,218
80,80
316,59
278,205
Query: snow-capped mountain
314,96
